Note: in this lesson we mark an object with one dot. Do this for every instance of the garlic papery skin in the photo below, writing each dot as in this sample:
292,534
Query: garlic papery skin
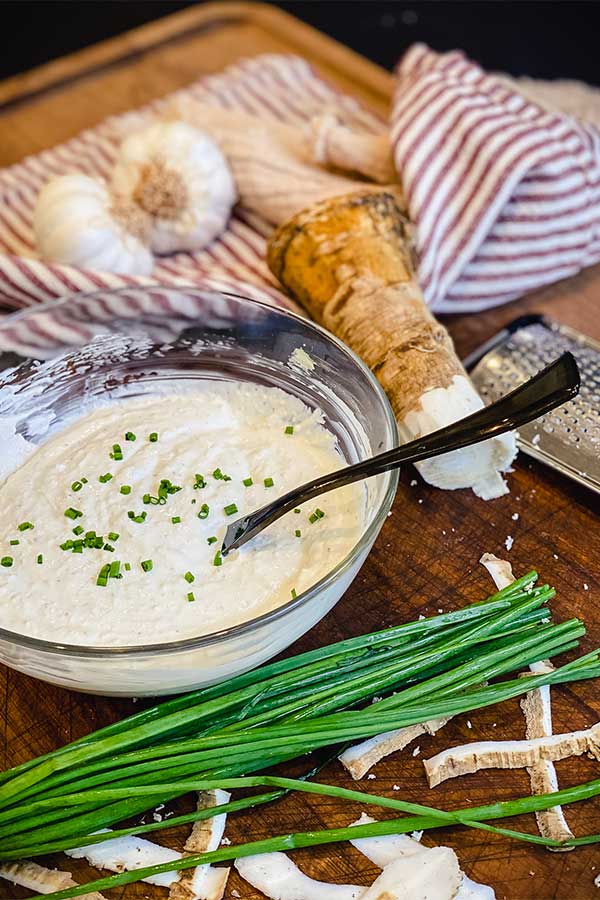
78,222
179,176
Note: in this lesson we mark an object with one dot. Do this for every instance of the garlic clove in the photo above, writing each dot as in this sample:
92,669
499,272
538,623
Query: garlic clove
78,222
180,178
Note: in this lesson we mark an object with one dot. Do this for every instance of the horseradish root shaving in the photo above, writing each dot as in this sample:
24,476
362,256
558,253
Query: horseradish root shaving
469,758
348,261
204,882
357,760
384,850
37,878
124,854
537,709
280,879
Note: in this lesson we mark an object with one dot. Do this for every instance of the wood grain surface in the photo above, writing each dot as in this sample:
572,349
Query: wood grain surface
426,556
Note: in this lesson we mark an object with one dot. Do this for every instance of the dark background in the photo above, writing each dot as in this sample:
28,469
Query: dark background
542,39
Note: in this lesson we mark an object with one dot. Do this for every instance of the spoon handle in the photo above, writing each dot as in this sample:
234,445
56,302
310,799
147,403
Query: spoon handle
550,388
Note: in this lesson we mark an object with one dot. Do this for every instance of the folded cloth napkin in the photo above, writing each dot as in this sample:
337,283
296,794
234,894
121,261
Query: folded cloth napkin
503,192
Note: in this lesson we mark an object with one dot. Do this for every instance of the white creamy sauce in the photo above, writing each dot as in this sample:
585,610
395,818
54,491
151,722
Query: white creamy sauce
237,428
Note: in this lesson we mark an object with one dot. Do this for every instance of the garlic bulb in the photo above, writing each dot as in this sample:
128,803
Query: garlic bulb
78,222
179,177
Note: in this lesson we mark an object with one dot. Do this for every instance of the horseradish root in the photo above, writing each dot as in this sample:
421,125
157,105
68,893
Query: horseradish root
348,260
273,164
537,709
474,757
334,144
357,760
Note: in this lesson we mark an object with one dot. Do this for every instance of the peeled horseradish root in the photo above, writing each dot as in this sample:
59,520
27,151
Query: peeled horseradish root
349,261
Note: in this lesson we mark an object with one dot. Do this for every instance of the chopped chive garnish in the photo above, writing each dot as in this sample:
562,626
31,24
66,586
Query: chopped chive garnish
165,488
78,529
297,511
175,520
40,559
220,476
289,429
218,560
191,597
113,536
6,561
77,485
83,480
153,437
316,515
117,453
146,565
127,567
125,489
247,482
26,526
115,569
137,518
14,542
78,547
102,579
109,547
98,542
211,540
68,545
129,436
72,513
230,509
298,533
268,482
204,511
193,499
199,482
104,478
293,593
189,577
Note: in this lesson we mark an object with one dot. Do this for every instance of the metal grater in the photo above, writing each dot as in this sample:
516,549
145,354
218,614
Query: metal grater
568,438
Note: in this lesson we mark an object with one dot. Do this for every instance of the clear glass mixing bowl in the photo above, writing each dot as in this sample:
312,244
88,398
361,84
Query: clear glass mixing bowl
133,341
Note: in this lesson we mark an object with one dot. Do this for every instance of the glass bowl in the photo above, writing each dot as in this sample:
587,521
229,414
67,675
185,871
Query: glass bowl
137,341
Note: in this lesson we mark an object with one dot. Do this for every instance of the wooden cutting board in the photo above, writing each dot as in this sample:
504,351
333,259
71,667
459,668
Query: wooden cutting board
426,556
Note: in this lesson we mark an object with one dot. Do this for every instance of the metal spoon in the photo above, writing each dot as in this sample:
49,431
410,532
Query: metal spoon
551,387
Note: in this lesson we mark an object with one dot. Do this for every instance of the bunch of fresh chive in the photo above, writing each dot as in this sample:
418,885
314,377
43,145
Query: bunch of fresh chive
417,818
432,668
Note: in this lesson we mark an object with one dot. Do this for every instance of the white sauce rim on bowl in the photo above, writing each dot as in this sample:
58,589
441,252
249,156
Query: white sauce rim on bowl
257,622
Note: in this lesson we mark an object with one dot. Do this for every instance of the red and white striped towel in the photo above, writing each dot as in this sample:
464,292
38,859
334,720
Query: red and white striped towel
505,194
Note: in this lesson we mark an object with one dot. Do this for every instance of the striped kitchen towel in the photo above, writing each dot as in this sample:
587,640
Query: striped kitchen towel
504,192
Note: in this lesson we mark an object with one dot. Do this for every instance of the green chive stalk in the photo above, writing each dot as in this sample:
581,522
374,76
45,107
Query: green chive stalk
419,818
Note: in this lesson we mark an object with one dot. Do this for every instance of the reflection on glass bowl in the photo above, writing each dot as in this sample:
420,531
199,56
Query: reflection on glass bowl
166,338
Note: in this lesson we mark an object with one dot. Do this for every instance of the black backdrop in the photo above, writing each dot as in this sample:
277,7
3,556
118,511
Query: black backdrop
542,39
